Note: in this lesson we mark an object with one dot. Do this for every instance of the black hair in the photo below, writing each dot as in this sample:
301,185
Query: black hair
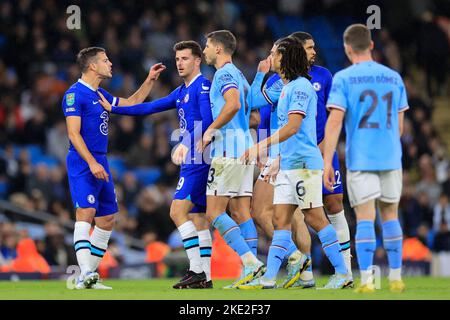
294,62
301,36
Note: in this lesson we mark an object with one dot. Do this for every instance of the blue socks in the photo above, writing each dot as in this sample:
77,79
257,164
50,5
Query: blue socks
365,243
230,231
291,249
393,243
248,231
330,245
280,243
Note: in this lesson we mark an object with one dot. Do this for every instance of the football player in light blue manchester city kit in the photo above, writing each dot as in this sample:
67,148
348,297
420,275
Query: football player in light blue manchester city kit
230,181
370,99
191,100
90,180
262,205
262,202
298,183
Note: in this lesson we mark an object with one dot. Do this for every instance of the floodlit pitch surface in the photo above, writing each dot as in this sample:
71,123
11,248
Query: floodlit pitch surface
161,289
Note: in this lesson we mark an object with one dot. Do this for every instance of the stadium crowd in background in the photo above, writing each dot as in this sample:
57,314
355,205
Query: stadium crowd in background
37,65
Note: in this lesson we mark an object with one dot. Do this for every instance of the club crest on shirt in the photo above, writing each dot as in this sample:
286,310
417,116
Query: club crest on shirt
91,199
186,98
70,99
317,86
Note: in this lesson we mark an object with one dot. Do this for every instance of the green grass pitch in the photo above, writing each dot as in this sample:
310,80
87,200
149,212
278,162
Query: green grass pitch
161,289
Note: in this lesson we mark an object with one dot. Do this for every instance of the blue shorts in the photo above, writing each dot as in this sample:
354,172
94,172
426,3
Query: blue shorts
86,190
338,187
192,186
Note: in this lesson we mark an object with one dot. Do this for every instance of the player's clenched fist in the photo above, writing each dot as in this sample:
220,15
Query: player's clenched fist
98,171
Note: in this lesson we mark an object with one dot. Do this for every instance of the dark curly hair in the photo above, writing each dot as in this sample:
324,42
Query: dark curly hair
294,62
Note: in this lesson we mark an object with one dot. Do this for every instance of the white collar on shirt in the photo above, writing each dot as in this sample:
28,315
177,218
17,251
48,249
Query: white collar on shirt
195,78
86,84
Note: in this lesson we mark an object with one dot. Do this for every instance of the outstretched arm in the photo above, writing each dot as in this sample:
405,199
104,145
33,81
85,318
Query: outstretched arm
141,109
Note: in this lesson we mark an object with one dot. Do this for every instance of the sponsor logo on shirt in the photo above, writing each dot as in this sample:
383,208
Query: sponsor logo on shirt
104,124
300,95
183,122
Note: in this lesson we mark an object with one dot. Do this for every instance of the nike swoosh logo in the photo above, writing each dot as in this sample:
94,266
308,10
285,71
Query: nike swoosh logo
178,100
94,102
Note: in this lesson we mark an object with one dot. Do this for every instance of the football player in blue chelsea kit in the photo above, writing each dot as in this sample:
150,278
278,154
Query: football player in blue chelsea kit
191,100
90,180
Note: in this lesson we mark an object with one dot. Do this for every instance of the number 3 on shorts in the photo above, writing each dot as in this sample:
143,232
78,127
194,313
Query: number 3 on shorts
212,171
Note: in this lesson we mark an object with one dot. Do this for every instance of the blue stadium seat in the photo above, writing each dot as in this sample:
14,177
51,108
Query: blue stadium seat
118,165
116,82
274,25
3,189
147,176
35,151
430,238
35,231
292,24
46,160
340,23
